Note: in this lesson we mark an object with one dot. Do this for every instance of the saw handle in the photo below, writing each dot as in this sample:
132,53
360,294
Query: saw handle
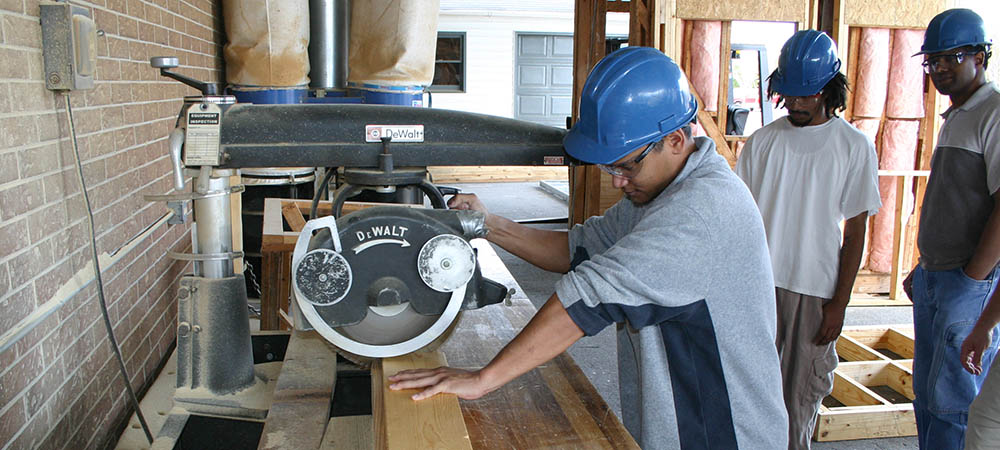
302,244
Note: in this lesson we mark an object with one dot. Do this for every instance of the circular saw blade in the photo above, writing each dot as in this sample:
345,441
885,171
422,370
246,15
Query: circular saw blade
386,335
446,262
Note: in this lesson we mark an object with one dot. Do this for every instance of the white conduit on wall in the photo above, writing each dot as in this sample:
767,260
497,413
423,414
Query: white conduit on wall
80,280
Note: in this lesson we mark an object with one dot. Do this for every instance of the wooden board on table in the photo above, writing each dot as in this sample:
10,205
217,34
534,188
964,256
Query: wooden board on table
553,405
483,174
402,423
301,408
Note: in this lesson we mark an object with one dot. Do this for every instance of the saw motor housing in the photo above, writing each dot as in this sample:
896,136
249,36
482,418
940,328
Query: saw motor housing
386,281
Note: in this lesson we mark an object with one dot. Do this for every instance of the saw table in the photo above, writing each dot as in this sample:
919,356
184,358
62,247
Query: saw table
553,406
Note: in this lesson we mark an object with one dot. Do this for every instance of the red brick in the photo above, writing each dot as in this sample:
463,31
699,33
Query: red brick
112,116
22,31
51,126
12,421
87,121
47,383
4,98
17,378
117,47
50,282
137,51
13,237
38,427
39,160
128,27
15,307
8,167
17,131
108,70
94,174
124,138
21,198
119,6
100,95
107,21
28,264
32,96
15,6
121,92
99,144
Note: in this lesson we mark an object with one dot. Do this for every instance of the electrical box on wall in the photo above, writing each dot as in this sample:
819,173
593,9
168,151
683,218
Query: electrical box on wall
69,46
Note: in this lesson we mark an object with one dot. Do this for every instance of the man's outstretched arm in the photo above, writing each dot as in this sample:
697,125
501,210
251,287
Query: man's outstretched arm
546,249
548,334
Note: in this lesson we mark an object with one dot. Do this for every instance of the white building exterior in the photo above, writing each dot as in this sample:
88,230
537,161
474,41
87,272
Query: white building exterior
491,29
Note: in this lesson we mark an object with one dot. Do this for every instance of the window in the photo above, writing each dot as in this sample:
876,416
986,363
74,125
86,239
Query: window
449,63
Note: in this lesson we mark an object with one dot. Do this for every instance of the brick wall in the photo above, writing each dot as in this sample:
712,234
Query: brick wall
59,385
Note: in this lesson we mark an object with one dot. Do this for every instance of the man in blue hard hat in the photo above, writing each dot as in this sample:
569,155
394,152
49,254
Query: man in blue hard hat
680,264
808,171
959,234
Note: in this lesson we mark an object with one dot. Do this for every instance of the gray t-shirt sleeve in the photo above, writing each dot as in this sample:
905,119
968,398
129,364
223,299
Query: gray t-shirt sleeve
991,156
861,192
664,260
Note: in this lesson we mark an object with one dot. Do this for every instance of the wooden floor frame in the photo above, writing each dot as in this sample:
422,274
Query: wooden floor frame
869,363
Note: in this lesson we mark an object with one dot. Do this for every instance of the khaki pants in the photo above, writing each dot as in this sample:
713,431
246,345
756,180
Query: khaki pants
983,431
806,368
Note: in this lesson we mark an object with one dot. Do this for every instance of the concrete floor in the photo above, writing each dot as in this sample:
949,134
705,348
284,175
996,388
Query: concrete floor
596,355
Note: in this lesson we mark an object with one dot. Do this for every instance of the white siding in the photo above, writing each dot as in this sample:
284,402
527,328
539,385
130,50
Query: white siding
489,40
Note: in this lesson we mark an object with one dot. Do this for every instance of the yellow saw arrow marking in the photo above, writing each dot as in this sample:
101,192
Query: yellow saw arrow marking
360,248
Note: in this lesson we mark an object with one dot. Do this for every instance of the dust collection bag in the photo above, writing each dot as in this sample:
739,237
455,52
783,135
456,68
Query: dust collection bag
393,42
267,42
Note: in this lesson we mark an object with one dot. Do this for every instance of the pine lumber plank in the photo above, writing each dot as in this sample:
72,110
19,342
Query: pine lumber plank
851,349
861,422
435,422
850,392
480,174
293,216
348,433
537,409
301,408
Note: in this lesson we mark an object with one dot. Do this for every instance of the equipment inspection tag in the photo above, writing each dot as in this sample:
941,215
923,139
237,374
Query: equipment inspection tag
398,133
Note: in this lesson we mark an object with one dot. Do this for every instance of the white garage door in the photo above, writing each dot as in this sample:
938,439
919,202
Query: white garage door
543,78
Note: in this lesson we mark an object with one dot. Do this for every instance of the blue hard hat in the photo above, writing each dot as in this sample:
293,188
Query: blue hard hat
807,62
634,96
954,28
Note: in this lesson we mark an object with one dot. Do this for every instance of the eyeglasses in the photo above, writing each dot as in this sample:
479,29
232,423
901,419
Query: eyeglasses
786,99
951,60
628,169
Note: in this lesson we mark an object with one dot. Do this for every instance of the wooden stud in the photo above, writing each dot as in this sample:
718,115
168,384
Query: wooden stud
708,123
903,185
852,393
725,48
293,216
865,422
435,422
590,19
852,350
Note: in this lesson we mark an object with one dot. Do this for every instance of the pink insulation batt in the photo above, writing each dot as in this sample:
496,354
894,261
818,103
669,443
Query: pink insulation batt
906,77
706,36
873,72
899,144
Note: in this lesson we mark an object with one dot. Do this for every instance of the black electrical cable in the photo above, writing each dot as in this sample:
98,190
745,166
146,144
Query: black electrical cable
100,281
330,171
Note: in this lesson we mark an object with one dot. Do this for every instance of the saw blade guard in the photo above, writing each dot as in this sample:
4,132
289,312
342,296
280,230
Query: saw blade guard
388,281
